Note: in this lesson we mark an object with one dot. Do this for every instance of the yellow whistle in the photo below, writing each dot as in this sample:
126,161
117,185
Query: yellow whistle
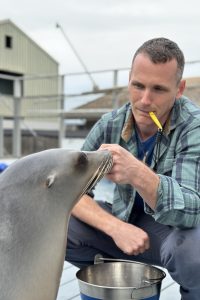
155,120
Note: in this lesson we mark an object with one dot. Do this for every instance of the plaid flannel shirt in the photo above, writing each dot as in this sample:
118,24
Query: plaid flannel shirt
178,195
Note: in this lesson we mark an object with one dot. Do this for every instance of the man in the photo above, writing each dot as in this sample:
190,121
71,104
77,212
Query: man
155,215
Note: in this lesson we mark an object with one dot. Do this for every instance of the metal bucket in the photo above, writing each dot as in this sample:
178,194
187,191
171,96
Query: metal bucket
120,280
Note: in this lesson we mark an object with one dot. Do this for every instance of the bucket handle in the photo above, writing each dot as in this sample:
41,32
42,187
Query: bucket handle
99,259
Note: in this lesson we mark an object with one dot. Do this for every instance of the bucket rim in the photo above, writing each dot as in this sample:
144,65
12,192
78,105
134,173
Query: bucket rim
117,288
148,283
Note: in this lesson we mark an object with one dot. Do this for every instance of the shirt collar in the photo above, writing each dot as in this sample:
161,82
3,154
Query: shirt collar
127,129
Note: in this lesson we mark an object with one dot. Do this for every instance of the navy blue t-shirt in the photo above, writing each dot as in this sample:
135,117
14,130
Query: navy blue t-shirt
145,149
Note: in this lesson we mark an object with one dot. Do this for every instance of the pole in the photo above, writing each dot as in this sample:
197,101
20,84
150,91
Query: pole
1,137
62,107
17,116
95,86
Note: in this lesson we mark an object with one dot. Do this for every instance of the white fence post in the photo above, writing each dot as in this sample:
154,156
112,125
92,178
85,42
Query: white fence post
17,116
62,107
115,93
1,137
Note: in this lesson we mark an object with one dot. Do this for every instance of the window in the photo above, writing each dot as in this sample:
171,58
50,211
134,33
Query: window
6,87
8,41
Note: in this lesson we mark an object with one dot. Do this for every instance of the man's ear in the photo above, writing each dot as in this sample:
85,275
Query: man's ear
181,88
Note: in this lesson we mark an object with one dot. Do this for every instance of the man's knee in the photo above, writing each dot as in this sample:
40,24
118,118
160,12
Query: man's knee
180,256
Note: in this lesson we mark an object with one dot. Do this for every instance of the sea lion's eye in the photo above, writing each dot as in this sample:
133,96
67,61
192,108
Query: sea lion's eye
82,159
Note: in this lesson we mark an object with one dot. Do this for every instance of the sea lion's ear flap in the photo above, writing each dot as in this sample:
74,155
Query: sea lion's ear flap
50,180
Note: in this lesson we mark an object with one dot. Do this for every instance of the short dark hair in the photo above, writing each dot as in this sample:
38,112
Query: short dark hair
162,50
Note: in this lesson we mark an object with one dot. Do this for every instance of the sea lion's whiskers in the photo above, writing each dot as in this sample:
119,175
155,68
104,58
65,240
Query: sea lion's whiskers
104,168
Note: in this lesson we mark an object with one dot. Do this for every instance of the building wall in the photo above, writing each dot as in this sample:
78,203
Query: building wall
26,58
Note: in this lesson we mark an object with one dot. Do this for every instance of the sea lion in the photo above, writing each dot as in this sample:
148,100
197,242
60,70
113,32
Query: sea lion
37,193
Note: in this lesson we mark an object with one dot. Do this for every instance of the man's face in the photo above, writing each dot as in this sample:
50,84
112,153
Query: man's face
152,87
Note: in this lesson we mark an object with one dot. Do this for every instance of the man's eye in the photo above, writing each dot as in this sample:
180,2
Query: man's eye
137,86
159,89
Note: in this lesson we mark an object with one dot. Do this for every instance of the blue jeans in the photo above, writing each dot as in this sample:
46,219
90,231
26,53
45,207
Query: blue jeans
174,249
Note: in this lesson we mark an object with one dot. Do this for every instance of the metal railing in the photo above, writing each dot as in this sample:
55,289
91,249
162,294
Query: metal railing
43,100
48,100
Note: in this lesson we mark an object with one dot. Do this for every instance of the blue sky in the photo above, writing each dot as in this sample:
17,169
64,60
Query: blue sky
106,33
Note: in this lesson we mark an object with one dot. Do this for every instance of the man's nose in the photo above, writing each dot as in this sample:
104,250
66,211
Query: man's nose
146,97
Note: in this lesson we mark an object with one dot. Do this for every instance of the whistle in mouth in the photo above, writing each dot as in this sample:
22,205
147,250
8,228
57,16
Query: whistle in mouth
155,120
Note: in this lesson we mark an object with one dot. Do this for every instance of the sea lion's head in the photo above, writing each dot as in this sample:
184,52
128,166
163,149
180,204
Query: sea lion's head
59,173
